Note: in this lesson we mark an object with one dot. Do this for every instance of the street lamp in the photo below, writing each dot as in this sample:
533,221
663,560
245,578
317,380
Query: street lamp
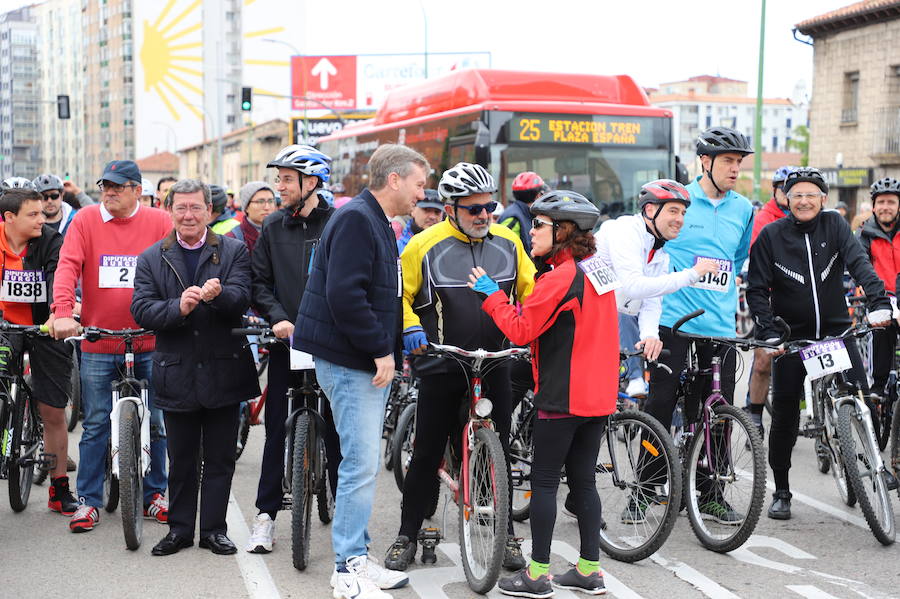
218,134
298,53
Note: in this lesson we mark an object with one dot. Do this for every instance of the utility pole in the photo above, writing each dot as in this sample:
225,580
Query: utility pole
757,133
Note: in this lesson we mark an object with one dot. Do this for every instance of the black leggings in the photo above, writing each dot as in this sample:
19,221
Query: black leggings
883,343
440,410
574,443
787,391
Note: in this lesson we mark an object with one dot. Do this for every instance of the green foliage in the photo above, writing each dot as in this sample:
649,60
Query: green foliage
800,143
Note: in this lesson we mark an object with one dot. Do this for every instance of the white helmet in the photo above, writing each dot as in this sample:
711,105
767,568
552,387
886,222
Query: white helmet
463,180
304,159
16,183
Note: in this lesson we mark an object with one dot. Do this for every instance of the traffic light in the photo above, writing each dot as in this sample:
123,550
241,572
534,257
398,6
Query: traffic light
246,98
62,107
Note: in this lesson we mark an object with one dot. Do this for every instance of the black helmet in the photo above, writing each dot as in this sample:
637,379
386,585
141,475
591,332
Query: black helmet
885,185
722,140
218,197
47,182
567,205
805,173
663,191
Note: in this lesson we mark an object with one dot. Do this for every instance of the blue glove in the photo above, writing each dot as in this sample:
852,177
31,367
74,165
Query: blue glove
485,286
413,339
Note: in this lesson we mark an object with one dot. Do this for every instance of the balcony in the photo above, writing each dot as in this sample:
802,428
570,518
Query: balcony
886,147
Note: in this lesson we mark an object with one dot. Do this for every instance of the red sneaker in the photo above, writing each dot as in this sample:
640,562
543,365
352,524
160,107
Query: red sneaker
61,498
84,519
157,509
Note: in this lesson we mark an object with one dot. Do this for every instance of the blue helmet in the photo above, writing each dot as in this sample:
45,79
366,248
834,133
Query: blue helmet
782,173
306,160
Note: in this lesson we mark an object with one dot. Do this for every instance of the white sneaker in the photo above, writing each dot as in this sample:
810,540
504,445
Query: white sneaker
262,537
381,576
355,583
637,387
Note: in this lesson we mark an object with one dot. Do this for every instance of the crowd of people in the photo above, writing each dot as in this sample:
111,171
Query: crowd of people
188,261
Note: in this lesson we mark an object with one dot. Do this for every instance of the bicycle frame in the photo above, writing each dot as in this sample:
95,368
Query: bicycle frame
308,391
142,403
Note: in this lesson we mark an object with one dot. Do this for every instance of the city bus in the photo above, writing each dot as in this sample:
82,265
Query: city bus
597,135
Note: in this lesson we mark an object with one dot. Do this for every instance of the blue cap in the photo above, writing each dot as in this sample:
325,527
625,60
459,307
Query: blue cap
121,172
431,200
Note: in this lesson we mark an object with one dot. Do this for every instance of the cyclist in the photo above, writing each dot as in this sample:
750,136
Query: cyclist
223,219
148,198
526,187
437,306
101,249
16,183
760,376
57,214
717,227
567,310
880,242
30,255
162,188
427,212
796,272
258,201
281,264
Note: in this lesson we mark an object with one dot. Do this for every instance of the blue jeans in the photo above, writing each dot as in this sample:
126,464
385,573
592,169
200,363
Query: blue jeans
98,371
358,408
629,334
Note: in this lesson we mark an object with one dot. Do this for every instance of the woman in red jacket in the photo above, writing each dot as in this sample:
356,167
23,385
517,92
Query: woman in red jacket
571,323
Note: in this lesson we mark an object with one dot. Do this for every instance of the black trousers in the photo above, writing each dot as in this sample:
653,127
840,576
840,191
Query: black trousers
573,443
883,344
787,391
218,430
440,411
269,494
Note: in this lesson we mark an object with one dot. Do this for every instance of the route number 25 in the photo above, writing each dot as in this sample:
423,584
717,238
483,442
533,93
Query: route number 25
530,130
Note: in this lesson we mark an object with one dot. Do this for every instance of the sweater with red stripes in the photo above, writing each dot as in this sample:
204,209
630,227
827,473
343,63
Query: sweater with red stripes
91,243
574,337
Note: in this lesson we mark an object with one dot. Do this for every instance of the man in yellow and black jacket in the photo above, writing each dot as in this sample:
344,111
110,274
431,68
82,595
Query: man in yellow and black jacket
438,307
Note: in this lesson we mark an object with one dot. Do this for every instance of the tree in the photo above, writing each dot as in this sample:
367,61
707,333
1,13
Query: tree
800,142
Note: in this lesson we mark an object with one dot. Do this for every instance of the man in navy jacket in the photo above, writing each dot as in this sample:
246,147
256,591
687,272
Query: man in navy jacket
349,320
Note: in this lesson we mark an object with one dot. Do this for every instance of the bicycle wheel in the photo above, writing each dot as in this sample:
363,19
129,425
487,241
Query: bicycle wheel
726,490
884,410
301,490
483,521
26,439
639,481
895,445
324,497
404,438
110,484
131,479
521,452
860,455
243,429
73,407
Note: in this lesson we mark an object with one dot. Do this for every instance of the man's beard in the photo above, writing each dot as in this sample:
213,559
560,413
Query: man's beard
476,234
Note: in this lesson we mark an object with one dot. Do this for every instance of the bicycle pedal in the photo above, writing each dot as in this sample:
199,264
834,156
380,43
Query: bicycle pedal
811,431
46,461
429,539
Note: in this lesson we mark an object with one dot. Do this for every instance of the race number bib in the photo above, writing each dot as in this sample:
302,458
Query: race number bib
117,271
825,357
599,274
24,287
628,305
300,360
718,281
399,278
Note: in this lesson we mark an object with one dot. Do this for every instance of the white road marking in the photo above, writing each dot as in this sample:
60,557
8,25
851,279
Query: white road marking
810,592
824,507
699,581
257,578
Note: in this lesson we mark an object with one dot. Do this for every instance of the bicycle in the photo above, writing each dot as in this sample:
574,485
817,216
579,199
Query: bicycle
22,445
305,465
713,446
252,408
404,391
843,429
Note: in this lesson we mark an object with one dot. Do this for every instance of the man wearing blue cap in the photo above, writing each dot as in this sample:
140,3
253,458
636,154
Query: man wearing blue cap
427,212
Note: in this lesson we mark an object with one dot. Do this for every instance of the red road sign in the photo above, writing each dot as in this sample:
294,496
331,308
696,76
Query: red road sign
329,79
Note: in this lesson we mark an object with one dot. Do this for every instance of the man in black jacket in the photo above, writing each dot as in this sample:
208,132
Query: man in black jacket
192,288
282,259
349,320
796,273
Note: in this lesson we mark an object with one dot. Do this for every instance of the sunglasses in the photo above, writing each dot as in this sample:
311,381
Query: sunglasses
475,209
537,223
51,196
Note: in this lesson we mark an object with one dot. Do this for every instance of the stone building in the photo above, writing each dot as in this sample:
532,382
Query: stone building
854,116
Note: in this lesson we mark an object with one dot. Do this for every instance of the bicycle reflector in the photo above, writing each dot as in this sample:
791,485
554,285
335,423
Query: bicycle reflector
483,407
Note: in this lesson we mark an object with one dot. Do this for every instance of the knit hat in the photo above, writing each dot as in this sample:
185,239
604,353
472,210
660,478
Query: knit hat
249,190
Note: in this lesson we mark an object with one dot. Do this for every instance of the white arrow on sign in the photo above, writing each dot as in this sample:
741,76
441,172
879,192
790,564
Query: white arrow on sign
322,70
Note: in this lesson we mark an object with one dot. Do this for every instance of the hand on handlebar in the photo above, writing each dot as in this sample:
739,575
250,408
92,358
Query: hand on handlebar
652,346
879,318
414,340
283,329
61,328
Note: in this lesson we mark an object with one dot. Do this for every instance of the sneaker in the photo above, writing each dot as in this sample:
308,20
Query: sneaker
890,480
400,554
355,582
634,512
522,585
513,560
719,511
781,505
383,579
157,509
71,466
574,580
637,387
84,519
61,498
263,536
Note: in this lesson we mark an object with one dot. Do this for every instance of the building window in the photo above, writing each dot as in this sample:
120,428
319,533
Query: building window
708,121
775,143
787,123
851,97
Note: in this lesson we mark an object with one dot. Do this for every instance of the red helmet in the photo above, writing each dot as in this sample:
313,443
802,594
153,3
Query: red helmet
662,191
527,181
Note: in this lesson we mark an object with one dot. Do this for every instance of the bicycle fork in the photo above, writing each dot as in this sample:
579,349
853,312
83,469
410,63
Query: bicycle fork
141,403
864,415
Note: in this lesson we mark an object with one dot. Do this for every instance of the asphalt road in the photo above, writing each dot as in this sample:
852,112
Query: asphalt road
825,551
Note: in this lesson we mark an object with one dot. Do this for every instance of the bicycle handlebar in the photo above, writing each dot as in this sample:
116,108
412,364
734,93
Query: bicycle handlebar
37,329
857,330
735,341
478,354
624,354
94,334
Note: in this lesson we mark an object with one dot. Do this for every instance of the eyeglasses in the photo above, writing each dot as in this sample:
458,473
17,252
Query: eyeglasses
51,196
265,202
537,223
192,208
806,196
475,209
114,187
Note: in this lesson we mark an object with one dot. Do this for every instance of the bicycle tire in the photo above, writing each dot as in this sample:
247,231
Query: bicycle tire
858,451
404,438
894,463
301,491
73,406
24,427
642,433
131,479
885,411
243,429
521,456
743,530
110,483
324,497
488,487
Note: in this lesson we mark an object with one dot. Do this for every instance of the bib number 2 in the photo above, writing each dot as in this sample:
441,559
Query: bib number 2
117,272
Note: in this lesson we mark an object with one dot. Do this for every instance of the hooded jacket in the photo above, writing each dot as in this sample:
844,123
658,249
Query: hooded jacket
883,251
769,213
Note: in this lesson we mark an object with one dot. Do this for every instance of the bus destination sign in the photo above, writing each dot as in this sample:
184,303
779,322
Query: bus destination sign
603,130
